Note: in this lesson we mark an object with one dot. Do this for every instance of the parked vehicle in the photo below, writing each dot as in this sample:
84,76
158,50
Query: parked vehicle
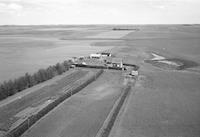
72,66
134,73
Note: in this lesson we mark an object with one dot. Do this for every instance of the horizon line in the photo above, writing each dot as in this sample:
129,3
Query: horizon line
95,24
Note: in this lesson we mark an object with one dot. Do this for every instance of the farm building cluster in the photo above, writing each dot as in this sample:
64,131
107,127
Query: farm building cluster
103,60
99,59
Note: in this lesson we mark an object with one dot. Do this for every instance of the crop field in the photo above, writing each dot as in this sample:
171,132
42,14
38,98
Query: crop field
84,113
164,102
27,49
25,105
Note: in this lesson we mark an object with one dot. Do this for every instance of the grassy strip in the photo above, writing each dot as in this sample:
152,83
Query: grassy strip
22,127
105,131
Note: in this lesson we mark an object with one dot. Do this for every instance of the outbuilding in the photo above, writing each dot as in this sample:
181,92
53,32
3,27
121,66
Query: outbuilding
96,56
134,73
117,62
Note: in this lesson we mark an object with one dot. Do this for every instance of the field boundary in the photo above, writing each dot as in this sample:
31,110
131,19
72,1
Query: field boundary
110,120
28,122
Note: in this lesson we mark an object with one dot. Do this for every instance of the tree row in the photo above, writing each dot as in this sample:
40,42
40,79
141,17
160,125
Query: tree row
8,88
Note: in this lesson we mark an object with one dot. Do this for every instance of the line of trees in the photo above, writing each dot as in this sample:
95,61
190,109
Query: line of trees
8,88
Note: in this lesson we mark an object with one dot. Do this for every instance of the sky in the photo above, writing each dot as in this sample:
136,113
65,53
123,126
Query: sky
35,12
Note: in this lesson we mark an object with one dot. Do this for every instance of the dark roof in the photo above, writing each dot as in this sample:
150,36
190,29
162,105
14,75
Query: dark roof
105,53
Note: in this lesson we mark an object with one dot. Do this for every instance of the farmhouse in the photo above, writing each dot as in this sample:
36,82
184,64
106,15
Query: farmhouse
105,54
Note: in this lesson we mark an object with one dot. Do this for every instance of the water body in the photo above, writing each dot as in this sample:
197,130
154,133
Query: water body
19,55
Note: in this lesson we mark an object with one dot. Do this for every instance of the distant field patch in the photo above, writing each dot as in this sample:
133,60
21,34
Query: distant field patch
111,34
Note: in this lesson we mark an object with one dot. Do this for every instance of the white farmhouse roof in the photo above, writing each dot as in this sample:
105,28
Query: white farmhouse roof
95,55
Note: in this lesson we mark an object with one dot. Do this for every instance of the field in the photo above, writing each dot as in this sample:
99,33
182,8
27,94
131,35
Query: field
163,103
110,34
24,104
84,113
27,49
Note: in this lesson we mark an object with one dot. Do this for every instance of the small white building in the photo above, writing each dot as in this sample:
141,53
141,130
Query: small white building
95,56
